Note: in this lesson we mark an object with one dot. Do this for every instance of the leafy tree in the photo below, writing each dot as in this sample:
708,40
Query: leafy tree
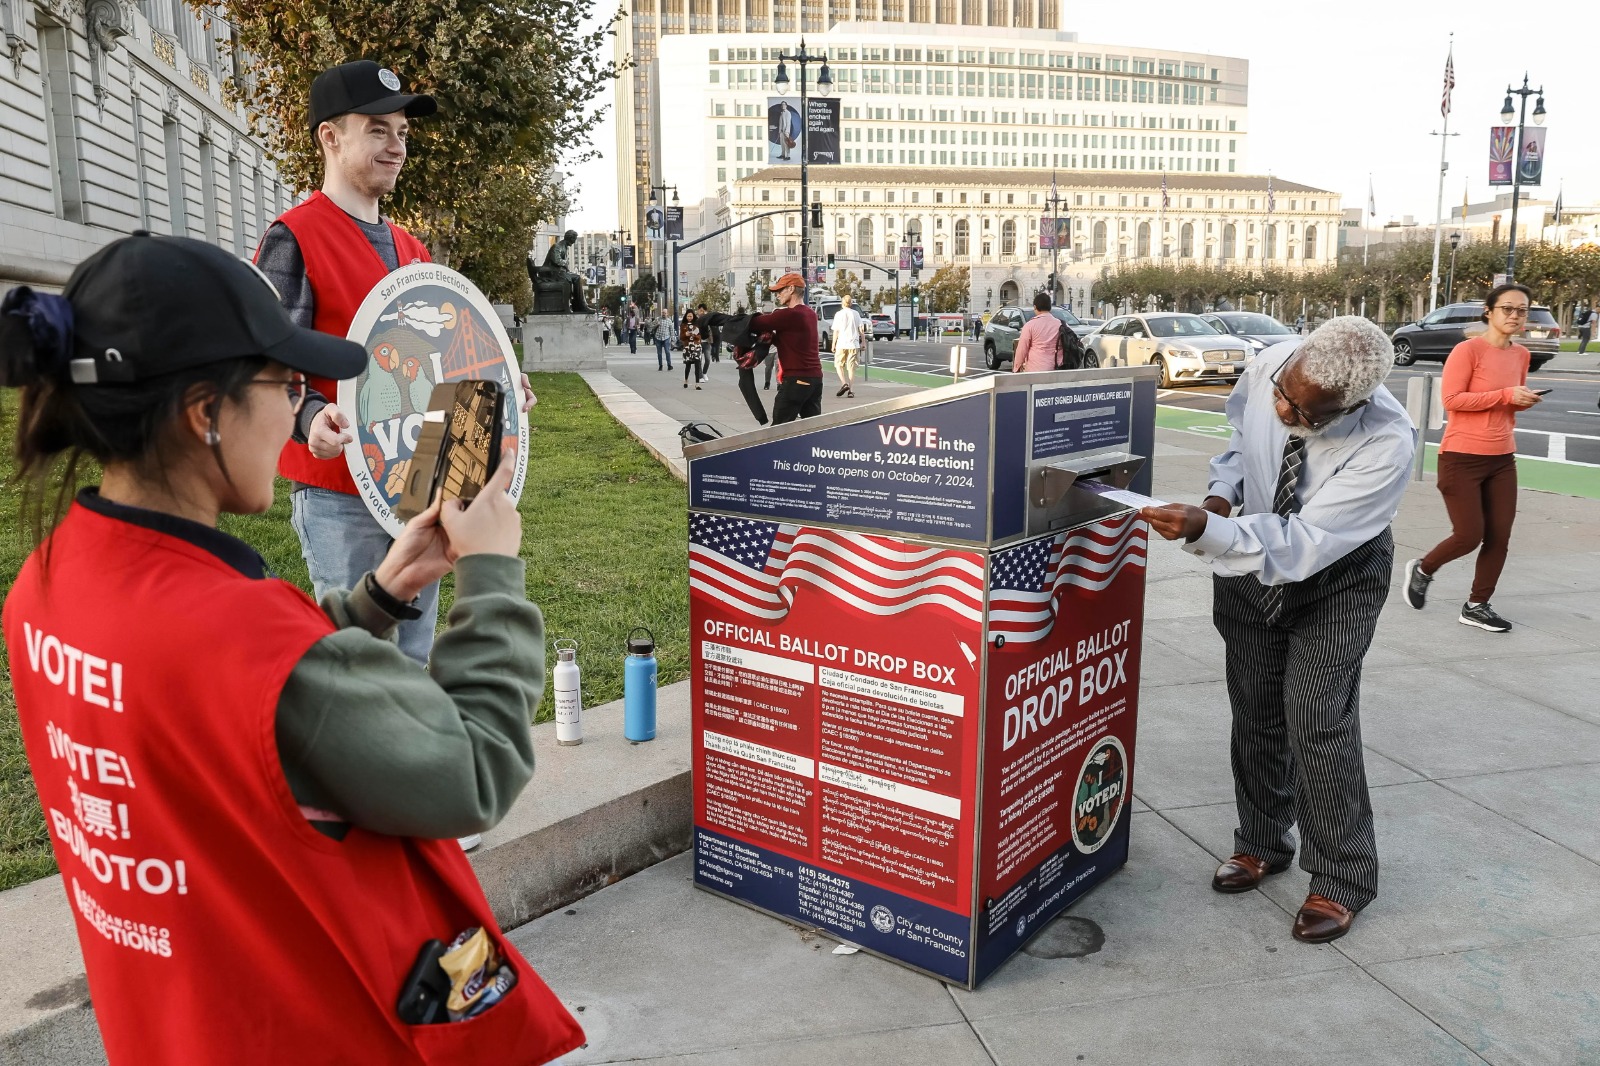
752,293
713,292
611,298
643,291
848,283
516,86
948,288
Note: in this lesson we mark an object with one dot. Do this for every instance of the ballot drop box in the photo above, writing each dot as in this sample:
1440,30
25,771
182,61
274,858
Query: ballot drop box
915,636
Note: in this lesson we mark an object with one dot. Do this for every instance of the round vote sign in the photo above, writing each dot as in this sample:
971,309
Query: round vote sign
422,326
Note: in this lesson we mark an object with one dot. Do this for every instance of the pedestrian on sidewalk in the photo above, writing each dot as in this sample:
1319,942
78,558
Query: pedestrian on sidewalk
794,330
749,349
605,329
1591,319
661,333
299,780
710,337
633,329
846,330
1037,341
1317,465
1485,384
689,349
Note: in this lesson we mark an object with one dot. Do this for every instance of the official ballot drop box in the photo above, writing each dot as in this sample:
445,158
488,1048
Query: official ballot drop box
915,636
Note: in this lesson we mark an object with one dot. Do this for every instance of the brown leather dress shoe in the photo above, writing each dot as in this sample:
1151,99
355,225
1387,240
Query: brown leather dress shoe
1321,920
1243,872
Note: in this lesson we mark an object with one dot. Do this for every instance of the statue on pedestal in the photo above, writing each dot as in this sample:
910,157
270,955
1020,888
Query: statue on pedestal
556,289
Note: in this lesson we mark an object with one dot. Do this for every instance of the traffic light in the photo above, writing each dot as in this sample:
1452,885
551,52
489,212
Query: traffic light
816,214
915,296
830,260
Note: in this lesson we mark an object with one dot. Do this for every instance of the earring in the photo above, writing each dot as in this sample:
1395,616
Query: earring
213,437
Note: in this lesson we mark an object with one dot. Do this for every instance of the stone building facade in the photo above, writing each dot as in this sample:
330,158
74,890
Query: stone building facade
112,118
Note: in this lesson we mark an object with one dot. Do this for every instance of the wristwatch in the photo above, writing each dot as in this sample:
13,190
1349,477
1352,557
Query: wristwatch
405,612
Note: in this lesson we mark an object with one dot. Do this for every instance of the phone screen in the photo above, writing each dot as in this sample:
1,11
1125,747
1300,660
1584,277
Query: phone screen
458,448
1542,392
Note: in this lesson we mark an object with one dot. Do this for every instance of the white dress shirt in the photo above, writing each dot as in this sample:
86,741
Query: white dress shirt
1351,483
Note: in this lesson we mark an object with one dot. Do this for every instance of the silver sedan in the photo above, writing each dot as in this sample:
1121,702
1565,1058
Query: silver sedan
1183,347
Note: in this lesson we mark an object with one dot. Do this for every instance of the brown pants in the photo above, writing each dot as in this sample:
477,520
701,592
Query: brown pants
1480,494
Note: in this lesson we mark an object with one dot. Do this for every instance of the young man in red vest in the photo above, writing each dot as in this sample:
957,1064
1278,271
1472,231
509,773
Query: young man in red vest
324,256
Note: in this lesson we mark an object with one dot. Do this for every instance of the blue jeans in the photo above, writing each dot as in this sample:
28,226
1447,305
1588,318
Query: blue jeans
341,541
663,351
633,341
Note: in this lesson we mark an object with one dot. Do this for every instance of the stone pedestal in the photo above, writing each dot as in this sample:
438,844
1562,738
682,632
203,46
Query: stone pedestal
561,342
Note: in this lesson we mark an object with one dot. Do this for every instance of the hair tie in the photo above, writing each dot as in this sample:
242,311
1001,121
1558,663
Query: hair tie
49,321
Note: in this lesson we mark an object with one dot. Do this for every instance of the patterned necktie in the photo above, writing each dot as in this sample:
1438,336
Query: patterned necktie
1285,504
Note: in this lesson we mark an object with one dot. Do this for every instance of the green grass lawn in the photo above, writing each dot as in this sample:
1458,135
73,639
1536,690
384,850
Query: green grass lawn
604,532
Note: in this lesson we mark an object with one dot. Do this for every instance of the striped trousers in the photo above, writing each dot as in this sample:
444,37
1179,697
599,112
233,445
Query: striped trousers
1295,689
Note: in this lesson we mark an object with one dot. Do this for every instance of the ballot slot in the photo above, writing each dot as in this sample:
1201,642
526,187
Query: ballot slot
1061,493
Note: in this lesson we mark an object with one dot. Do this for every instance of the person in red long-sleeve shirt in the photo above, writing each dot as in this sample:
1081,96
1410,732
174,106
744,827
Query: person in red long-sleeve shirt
794,330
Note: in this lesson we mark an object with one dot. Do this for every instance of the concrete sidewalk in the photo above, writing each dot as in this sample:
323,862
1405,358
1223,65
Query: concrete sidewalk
1483,755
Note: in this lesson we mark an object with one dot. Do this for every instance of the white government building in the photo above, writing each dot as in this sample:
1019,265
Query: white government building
112,119
953,135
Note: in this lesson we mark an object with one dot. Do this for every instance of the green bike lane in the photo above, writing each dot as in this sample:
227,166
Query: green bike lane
1533,472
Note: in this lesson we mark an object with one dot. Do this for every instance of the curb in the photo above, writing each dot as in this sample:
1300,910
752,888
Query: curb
657,432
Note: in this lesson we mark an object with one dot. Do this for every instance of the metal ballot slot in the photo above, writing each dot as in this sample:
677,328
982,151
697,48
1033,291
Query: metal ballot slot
1057,497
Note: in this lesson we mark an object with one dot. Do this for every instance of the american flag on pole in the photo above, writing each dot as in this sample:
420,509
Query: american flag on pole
1271,200
1166,201
1023,586
1449,83
755,568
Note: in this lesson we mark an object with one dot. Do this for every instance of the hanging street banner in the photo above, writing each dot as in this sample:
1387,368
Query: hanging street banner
1053,232
783,131
674,227
905,257
654,219
627,257
1533,154
422,326
1502,143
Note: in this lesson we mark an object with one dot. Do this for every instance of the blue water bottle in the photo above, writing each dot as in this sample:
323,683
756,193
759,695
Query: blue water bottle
639,687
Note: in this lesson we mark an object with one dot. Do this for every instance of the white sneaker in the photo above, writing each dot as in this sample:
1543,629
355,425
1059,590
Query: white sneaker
470,841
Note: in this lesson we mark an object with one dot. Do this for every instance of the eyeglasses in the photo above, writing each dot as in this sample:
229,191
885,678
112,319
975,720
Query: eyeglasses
295,388
1305,419
1511,311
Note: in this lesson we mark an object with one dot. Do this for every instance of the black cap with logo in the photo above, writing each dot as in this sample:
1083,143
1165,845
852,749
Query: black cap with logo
363,88
146,305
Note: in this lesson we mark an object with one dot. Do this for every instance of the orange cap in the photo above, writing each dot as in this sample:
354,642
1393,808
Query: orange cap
792,278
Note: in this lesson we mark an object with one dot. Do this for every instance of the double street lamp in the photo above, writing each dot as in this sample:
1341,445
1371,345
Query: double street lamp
780,81
656,223
1450,289
1507,112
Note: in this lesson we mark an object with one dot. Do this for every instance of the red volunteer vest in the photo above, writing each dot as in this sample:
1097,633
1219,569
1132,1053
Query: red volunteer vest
217,925
342,267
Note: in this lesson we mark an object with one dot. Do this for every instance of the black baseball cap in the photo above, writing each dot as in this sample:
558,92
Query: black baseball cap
146,305
363,88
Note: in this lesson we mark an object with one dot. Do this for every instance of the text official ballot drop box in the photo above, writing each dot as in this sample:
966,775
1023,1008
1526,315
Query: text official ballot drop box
915,656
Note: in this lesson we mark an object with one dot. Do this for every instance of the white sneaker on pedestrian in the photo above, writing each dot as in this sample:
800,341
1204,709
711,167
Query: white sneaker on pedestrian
470,841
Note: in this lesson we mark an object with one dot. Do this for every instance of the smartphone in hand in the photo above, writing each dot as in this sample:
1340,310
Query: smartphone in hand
458,448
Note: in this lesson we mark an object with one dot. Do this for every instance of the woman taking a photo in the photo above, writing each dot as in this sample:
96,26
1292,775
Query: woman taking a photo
253,799
1485,385
689,349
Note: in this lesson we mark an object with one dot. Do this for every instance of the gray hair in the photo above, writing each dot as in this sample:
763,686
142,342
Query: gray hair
1349,356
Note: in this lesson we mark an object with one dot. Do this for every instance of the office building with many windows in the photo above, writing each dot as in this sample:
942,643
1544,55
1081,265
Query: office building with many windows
114,119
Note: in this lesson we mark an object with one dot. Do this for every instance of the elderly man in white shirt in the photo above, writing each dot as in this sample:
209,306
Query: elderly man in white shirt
847,335
1317,465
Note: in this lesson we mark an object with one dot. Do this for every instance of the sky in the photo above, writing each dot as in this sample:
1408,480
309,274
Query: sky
1347,90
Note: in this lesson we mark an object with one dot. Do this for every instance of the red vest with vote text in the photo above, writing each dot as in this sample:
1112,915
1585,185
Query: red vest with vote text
217,925
343,268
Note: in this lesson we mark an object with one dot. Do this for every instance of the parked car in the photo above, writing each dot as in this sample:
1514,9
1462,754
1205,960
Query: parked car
1261,331
826,308
1442,329
1087,326
1183,347
883,327
1000,335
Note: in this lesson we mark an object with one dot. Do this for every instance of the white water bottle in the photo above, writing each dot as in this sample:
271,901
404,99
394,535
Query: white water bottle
569,694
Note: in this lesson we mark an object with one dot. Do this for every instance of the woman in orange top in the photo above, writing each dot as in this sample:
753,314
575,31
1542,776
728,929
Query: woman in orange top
1485,385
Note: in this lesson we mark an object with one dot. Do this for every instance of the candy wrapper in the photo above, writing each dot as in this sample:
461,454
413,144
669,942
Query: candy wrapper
478,977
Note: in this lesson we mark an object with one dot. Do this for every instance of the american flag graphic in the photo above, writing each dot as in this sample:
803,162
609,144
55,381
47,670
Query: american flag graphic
756,567
1023,586
1449,83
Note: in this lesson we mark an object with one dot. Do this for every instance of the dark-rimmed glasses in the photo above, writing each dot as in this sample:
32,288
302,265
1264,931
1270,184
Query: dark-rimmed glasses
295,387
1305,419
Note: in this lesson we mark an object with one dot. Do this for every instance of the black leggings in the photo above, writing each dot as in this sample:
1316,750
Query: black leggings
692,361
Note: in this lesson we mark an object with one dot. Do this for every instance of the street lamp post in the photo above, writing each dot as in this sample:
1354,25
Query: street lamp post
780,81
1450,288
622,237
661,231
1507,112
1055,203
